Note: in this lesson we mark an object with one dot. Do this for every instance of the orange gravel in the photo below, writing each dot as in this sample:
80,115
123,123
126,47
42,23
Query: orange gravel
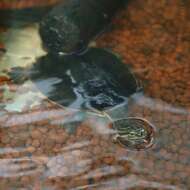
39,151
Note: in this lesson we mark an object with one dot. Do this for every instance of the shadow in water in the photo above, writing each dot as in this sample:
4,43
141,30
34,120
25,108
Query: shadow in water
96,80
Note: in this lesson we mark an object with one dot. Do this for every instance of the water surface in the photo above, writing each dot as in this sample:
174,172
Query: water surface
46,146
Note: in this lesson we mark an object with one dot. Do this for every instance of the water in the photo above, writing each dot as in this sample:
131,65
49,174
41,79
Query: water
46,146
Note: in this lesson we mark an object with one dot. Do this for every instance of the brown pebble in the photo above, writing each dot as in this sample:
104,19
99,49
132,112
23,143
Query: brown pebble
36,134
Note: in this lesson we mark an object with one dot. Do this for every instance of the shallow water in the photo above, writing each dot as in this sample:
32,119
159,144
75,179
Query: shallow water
46,146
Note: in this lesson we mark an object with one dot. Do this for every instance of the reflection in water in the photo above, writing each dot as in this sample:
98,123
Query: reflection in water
96,80
40,146
68,164
20,50
133,182
33,117
77,159
161,105
19,167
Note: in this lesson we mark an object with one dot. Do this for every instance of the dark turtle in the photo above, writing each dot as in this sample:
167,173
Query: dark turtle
95,81
70,26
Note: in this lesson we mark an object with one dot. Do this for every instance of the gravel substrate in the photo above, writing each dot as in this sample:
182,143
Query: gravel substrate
40,150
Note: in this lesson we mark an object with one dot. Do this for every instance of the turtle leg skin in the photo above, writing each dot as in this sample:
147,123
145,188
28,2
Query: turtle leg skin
70,26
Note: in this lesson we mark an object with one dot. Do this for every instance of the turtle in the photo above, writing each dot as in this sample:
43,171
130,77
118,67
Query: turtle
74,76
71,25
96,81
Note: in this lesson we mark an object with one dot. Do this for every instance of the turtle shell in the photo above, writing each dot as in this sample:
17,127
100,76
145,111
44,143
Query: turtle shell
95,80
71,25
134,133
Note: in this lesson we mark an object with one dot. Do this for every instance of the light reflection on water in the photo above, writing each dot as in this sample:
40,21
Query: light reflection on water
44,146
